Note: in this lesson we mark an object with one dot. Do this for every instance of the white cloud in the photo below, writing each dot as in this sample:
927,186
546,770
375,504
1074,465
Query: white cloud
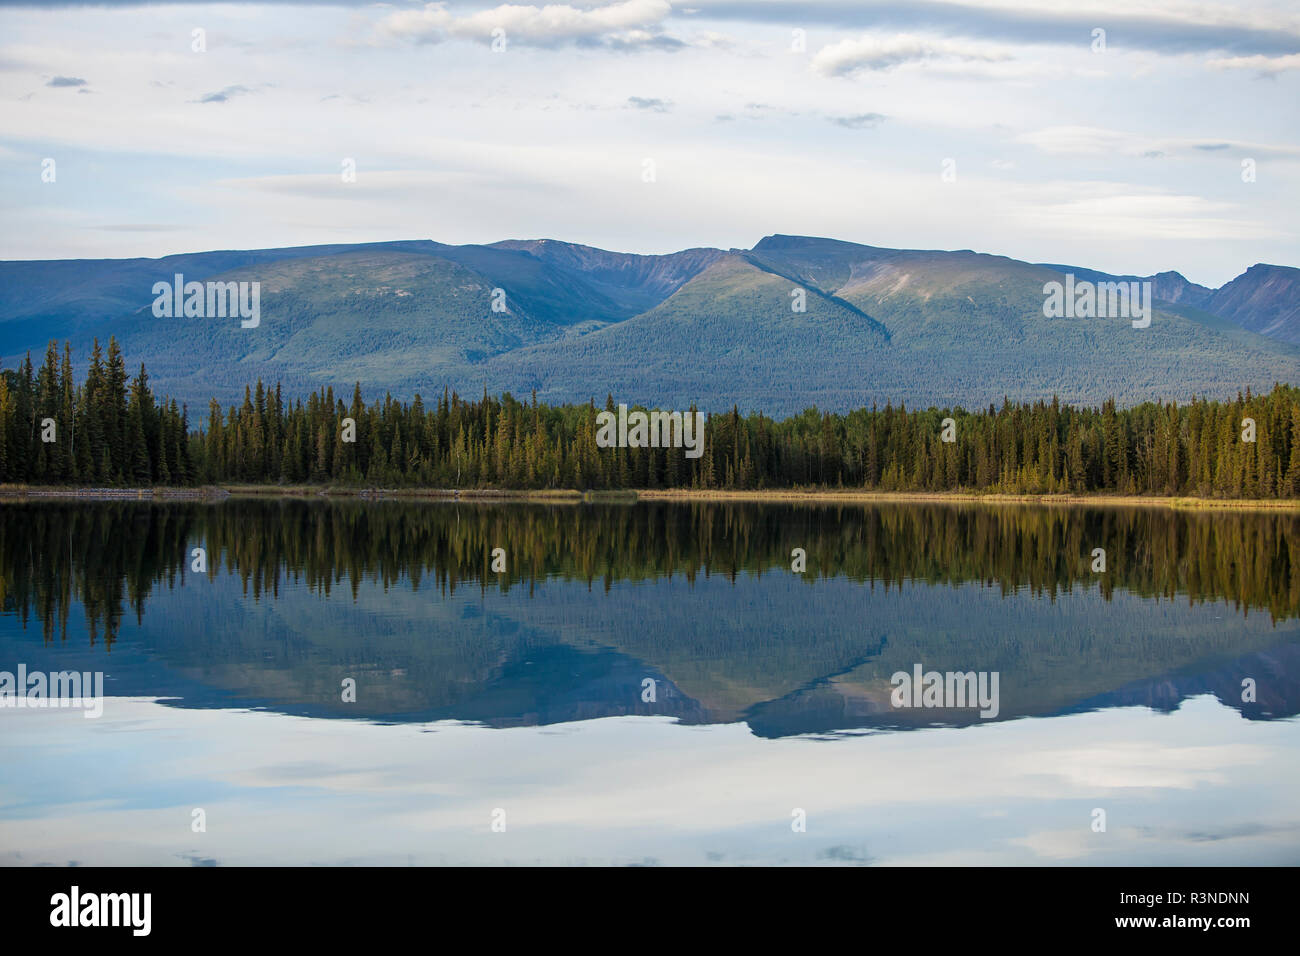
1074,139
1271,65
1091,140
1122,211
630,23
869,53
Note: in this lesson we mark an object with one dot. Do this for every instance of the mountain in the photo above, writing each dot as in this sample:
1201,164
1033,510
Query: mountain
1169,287
794,321
1263,299
64,296
635,282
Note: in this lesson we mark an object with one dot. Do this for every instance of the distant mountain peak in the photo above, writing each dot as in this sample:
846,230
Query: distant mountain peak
1264,299
784,242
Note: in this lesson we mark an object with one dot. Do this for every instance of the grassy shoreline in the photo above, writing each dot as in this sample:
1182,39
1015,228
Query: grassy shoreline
852,496
566,496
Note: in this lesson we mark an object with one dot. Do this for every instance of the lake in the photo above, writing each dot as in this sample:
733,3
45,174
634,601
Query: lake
365,682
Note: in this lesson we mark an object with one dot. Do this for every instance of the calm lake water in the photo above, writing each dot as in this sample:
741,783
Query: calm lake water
520,698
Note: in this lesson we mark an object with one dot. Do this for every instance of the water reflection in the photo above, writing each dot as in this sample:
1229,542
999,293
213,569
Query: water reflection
597,600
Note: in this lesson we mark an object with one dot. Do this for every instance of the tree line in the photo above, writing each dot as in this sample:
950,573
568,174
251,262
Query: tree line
105,431
108,430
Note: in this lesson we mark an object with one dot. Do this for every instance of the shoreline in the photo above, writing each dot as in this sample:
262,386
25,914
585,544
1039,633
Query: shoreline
566,496
850,496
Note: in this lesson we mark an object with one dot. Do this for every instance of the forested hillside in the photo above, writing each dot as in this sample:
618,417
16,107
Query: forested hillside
791,323
56,428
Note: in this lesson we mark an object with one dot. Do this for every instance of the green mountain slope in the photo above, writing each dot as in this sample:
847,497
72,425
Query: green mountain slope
728,335
705,326
636,283
376,317
926,328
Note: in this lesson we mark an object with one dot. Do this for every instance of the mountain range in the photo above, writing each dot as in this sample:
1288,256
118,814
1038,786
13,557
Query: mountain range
707,326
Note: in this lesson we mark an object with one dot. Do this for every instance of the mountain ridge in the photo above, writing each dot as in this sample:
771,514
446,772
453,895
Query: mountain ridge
794,321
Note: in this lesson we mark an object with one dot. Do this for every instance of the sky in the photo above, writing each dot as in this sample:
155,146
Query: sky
1167,141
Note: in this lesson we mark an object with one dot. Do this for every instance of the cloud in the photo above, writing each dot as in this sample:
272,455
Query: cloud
1086,140
634,40
1267,65
1120,211
869,54
1171,27
861,121
222,96
66,81
645,103
1074,139
626,25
